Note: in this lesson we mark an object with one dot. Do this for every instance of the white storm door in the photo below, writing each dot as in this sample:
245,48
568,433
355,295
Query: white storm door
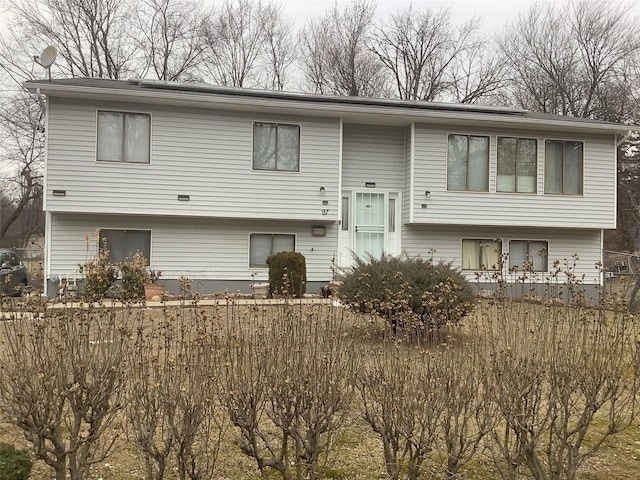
370,224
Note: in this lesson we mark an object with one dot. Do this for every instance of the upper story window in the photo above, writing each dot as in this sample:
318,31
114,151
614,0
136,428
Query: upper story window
481,254
123,137
468,163
276,146
517,165
563,163
124,244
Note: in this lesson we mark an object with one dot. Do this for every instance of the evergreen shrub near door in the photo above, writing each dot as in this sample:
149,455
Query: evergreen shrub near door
408,291
287,274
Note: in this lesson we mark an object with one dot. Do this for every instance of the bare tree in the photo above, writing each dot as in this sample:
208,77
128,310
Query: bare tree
170,34
335,55
92,37
280,51
570,58
21,122
417,47
247,44
477,74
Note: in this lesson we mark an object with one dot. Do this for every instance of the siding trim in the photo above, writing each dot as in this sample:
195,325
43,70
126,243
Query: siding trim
339,192
412,177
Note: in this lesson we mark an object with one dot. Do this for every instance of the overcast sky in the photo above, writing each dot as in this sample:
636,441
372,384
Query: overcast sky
494,13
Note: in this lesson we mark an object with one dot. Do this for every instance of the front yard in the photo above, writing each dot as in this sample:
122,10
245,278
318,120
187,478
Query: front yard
317,373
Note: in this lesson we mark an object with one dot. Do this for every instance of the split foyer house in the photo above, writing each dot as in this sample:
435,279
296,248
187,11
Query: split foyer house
209,181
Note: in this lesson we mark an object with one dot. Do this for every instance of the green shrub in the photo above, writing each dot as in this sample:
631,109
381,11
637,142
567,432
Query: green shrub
134,277
14,464
99,277
287,274
408,290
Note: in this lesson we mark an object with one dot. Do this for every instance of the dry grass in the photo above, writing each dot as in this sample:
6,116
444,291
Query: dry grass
356,451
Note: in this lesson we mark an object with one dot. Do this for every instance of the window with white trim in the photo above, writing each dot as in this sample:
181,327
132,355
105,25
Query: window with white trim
563,163
124,244
481,254
529,255
468,163
276,146
263,245
517,165
123,137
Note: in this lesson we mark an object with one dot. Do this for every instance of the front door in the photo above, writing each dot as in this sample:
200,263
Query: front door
370,224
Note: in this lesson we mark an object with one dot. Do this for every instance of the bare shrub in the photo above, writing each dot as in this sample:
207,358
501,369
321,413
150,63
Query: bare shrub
286,378
402,403
566,378
469,413
62,382
173,410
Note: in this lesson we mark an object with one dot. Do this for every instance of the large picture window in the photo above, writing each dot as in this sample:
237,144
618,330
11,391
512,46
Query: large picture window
563,167
263,245
123,137
528,255
517,165
481,254
276,146
468,163
124,244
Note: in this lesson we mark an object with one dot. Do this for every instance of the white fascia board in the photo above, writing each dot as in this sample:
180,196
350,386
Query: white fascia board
375,114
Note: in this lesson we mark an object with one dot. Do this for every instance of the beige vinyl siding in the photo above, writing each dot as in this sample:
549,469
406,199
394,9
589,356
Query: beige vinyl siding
195,248
205,154
373,153
594,209
563,245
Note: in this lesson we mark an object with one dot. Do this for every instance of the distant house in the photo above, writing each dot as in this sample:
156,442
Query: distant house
209,181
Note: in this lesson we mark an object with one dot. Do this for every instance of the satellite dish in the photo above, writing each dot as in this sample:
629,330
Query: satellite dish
48,56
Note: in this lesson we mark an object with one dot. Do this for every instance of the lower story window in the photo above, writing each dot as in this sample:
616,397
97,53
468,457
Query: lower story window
528,255
481,254
124,244
263,245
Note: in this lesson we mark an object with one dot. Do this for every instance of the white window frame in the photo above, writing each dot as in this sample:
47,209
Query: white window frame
487,268
517,139
277,123
563,140
128,230
263,266
529,241
488,171
123,112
